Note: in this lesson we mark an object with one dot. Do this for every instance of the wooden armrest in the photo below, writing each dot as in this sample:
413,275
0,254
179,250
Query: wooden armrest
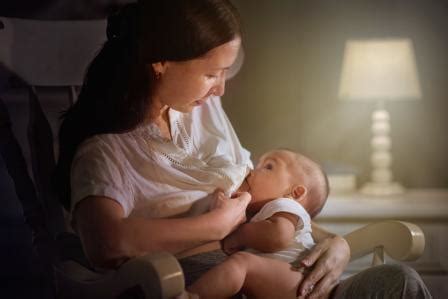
402,241
152,276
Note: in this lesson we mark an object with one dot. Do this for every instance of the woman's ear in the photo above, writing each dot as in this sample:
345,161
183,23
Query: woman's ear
298,192
159,67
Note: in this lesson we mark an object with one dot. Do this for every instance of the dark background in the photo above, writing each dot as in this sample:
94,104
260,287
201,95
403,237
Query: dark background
17,272
285,95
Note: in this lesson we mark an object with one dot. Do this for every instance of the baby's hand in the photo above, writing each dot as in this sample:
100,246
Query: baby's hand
231,244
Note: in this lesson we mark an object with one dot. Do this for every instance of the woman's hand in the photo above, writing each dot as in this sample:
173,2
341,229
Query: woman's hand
231,211
327,260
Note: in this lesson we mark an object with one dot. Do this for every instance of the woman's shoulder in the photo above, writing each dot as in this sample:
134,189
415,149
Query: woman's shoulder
108,145
98,142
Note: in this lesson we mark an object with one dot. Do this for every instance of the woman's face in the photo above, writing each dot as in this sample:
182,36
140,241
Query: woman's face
187,84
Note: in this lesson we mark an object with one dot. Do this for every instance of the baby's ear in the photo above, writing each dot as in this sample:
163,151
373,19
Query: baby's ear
298,192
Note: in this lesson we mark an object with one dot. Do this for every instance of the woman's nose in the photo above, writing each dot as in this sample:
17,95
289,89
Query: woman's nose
220,87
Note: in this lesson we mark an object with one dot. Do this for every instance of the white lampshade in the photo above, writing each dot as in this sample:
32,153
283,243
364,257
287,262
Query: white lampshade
379,69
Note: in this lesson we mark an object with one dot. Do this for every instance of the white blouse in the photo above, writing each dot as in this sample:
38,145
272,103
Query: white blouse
154,177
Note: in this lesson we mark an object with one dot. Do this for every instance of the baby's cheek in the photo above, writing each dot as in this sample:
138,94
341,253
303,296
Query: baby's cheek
267,188
259,190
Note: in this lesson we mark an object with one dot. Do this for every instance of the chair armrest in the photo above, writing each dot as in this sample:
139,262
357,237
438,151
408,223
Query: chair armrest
166,270
402,241
155,276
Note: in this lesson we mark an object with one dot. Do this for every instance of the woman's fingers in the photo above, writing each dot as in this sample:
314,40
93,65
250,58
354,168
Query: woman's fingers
323,288
317,272
241,195
329,258
218,191
243,198
218,199
310,281
232,209
314,254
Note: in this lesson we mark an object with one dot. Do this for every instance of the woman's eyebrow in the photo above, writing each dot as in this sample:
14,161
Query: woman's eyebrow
221,68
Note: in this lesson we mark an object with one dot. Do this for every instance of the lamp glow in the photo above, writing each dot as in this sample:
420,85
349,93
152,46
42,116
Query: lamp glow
380,70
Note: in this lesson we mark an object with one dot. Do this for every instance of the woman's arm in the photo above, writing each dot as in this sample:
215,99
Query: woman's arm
319,233
327,260
269,235
109,238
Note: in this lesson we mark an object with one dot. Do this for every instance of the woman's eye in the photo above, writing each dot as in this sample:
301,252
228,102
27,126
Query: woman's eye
211,76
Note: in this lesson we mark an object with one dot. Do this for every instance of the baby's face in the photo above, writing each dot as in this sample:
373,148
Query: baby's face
272,177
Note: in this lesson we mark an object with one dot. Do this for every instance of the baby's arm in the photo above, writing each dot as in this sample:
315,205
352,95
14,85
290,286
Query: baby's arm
270,235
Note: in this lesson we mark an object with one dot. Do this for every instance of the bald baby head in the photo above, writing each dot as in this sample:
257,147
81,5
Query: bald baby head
285,173
308,173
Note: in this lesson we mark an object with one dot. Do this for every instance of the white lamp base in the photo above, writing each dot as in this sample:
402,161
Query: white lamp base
382,189
381,178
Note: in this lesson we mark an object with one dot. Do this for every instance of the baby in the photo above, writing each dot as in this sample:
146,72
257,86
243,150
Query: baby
287,189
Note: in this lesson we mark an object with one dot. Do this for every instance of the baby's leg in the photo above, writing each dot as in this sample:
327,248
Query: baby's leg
256,276
268,278
223,280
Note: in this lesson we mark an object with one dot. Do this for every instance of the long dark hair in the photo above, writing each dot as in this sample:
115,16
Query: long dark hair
116,93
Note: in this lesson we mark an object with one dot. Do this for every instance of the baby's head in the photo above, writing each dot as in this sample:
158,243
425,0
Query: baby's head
284,173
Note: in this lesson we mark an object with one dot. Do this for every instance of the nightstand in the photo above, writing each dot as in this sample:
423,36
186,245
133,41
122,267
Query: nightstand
427,208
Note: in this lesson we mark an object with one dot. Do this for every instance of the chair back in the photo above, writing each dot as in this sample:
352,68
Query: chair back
43,55
48,54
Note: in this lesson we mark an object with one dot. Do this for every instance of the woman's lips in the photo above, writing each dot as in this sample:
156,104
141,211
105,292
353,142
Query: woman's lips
200,102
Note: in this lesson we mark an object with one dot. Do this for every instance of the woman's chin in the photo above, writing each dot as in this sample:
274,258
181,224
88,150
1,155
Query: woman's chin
189,107
184,109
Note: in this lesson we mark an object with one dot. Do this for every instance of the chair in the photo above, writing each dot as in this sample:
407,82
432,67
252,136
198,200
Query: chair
55,54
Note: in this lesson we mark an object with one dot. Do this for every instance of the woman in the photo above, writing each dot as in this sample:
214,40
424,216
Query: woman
148,139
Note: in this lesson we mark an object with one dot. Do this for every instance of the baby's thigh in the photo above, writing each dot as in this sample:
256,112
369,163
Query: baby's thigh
270,279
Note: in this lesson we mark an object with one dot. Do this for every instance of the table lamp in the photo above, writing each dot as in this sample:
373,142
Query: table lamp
380,70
